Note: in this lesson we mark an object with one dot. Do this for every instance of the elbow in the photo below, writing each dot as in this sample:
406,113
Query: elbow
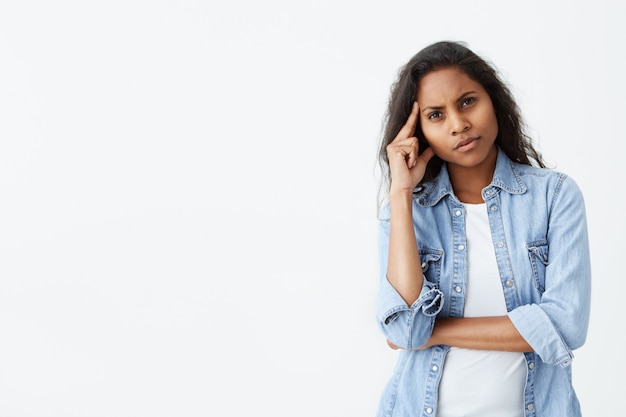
576,338
572,324
408,329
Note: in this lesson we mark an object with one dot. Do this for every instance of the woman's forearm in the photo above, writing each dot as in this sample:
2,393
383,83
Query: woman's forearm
404,270
481,333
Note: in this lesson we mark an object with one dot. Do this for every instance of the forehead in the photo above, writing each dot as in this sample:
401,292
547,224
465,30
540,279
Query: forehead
446,84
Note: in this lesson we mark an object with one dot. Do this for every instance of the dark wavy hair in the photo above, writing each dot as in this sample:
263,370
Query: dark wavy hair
512,137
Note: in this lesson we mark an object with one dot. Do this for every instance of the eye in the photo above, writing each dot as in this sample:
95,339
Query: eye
467,101
434,115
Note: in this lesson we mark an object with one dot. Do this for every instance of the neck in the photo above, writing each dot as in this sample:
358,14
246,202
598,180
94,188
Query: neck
468,182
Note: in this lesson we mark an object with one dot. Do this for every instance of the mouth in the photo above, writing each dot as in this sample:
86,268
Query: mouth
465,143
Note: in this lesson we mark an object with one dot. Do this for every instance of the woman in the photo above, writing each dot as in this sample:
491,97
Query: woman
485,269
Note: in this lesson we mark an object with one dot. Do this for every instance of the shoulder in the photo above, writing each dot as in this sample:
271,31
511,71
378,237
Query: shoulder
547,180
532,175
542,174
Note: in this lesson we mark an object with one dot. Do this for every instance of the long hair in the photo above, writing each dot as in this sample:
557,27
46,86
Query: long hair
511,138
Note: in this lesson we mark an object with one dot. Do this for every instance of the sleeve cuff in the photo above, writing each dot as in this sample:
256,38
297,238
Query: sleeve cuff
537,329
390,303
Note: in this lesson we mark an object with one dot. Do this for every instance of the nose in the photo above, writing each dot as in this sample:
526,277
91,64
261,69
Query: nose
458,123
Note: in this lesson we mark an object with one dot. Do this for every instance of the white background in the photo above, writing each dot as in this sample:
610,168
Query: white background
188,194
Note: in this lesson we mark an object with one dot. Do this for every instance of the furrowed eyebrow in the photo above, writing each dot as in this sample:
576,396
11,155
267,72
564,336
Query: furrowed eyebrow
432,108
461,97
469,93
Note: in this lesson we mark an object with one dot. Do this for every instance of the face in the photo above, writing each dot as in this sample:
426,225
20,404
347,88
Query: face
457,118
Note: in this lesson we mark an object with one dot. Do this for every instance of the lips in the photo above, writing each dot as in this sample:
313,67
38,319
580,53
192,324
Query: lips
465,142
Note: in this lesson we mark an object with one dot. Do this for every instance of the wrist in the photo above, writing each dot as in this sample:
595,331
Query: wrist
400,194
401,201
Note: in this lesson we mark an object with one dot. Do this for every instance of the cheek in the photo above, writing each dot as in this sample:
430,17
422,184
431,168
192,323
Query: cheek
490,119
432,135
494,125
426,129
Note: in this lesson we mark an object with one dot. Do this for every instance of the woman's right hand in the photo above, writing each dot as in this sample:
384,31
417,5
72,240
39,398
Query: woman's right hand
407,168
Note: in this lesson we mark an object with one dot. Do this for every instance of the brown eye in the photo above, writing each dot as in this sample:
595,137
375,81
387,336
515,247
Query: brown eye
467,101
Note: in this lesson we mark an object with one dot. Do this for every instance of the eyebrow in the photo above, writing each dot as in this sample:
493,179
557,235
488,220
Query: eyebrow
461,97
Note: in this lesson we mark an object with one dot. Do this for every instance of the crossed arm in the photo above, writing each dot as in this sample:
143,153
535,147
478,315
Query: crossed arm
481,333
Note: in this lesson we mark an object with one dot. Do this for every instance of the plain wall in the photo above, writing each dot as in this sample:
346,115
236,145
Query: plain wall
188,194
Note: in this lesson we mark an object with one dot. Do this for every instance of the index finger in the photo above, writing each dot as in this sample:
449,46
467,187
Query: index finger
409,127
391,345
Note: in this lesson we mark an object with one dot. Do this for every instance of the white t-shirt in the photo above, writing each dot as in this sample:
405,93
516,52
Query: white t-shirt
482,383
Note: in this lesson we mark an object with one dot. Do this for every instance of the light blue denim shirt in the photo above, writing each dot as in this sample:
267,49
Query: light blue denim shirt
539,233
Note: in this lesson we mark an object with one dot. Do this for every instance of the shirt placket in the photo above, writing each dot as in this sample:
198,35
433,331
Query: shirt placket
458,284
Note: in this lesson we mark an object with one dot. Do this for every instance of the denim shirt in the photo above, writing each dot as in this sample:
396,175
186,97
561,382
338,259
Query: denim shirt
539,232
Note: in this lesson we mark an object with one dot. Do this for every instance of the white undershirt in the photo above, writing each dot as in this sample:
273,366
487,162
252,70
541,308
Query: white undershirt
482,383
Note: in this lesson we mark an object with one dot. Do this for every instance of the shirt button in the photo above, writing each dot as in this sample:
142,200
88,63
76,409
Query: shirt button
460,247
530,407
531,365
509,283
494,208
429,410
489,192
458,213
423,265
458,288
500,244
435,368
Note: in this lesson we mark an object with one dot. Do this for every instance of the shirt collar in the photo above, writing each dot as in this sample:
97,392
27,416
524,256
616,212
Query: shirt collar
505,177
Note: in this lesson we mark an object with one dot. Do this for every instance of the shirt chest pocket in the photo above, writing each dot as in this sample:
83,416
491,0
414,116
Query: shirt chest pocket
431,264
538,255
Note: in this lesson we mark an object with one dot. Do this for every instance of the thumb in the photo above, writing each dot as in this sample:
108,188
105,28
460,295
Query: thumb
427,155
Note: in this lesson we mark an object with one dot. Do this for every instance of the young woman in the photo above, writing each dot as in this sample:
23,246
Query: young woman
485,269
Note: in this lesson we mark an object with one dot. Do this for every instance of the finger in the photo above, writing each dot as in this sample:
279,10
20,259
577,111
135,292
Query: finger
391,345
427,155
423,158
411,159
401,143
405,155
412,148
402,149
409,127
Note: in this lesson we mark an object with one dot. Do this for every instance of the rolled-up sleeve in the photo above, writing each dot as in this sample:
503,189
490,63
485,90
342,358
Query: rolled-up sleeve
408,327
558,324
